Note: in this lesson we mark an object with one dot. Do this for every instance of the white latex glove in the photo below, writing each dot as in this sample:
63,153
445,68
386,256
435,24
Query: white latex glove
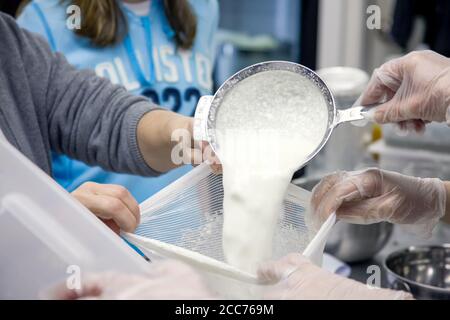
375,195
299,279
415,90
165,280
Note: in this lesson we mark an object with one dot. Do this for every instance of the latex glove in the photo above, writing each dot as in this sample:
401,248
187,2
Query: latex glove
113,204
375,195
415,89
298,279
166,280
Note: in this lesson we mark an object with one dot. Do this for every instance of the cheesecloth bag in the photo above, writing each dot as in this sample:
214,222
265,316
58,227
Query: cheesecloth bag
184,221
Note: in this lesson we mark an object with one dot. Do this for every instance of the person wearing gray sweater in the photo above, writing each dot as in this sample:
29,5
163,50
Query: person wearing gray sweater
47,105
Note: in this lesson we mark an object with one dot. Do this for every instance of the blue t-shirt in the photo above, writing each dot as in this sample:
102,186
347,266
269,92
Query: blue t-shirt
147,63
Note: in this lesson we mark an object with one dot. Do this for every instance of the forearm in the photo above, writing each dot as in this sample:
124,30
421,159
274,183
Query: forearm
114,129
154,135
82,115
96,122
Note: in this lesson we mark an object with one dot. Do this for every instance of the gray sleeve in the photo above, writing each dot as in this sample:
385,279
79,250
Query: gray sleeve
88,118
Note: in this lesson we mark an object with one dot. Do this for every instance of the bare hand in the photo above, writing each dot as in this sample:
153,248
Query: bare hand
113,204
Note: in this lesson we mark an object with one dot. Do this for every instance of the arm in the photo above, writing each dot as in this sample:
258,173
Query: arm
92,120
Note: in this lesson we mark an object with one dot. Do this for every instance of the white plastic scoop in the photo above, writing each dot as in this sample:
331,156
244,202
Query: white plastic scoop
192,258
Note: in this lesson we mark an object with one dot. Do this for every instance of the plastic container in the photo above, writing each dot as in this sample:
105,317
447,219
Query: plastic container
345,83
413,162
347,145
45,236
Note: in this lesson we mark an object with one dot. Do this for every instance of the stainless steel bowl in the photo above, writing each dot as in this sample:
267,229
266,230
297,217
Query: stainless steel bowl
424,271
355,243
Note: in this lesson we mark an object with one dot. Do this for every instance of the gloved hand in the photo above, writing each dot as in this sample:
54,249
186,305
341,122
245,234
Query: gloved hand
165,280
415,89
113,204
299,279
375,195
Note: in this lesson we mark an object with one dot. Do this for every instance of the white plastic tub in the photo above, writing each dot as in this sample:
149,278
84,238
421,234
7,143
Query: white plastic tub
46,236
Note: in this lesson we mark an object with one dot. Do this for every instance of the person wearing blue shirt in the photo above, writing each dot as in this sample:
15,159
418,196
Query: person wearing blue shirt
161,49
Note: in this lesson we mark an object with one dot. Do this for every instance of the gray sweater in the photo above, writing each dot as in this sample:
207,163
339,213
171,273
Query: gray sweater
46,104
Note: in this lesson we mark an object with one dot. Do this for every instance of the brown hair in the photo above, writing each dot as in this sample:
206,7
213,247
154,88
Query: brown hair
105,24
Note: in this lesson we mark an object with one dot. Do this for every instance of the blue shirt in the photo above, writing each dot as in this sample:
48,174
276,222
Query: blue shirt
146,63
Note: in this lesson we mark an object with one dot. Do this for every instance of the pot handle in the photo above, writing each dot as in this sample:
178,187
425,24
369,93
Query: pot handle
201,118
351,114
355,114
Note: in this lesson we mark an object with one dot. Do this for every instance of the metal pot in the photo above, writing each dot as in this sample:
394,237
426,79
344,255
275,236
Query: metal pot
355,243
424,271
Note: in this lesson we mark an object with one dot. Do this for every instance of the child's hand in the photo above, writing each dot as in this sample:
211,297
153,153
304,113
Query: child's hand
113,204
166,141
209,155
